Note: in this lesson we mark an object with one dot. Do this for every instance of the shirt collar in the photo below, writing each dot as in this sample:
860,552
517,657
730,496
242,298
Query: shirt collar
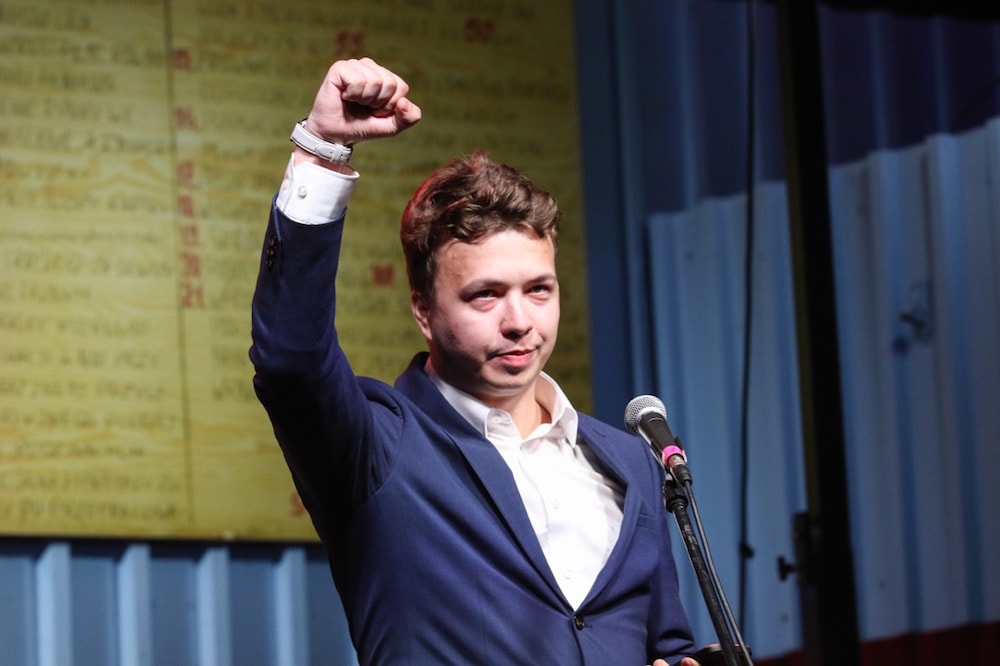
547,392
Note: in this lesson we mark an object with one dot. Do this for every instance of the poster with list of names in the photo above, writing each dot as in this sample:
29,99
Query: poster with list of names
141,142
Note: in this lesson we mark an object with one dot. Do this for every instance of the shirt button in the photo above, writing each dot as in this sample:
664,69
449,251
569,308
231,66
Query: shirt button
303,191
578,622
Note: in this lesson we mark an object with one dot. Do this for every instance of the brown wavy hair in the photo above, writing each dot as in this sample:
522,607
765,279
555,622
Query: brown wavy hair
468,199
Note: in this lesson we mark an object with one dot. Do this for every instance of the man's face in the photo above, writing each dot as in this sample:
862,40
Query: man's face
493,321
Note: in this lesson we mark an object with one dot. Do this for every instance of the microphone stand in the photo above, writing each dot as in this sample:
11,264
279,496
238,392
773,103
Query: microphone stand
678,496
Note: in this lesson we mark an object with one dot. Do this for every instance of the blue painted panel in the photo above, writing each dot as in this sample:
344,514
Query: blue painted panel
697,295
174,607
93,606
19,608
252,606
917,256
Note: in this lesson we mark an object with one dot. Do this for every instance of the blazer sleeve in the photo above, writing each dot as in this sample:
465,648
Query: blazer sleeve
328,422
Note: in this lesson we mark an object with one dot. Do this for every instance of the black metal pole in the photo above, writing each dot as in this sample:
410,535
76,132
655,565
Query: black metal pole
826,578
677,504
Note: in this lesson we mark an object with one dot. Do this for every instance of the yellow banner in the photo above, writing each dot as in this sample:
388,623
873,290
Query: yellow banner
140,145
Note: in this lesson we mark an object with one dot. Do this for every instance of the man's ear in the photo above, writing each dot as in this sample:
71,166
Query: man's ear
421,313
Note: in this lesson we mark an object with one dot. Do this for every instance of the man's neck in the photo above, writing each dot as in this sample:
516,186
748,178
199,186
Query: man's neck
525,409
528,415
528,409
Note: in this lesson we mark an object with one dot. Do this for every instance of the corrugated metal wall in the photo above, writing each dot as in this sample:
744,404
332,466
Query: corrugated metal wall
697,302
917,250
918,258
86,603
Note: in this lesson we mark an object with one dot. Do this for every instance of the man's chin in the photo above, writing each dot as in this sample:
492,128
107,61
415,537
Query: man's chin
506,385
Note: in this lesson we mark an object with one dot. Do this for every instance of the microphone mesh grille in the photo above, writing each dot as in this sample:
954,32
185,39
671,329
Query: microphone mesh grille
640,405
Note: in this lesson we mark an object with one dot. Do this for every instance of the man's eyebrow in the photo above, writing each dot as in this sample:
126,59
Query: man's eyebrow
485,283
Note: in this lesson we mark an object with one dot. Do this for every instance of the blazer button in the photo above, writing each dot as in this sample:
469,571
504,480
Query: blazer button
272,250
578,622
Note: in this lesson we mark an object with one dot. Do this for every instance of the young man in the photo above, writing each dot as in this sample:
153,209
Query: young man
469,513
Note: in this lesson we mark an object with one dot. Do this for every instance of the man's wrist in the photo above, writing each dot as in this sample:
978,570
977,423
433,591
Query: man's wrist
330,151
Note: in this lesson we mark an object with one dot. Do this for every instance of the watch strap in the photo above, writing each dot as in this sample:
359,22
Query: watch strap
337,153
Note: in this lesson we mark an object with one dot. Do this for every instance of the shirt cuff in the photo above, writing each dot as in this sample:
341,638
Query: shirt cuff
311,194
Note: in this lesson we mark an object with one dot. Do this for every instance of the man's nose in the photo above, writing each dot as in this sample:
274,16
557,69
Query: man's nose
516,321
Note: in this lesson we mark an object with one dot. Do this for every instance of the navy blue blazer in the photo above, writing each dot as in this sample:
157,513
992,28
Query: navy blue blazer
430,546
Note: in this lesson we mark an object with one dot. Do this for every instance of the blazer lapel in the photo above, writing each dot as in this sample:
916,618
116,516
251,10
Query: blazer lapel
631,510
485,461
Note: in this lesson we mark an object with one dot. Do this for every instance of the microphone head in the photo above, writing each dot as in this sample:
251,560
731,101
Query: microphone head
638,407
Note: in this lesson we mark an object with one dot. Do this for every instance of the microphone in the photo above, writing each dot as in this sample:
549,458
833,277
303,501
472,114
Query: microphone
646,416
